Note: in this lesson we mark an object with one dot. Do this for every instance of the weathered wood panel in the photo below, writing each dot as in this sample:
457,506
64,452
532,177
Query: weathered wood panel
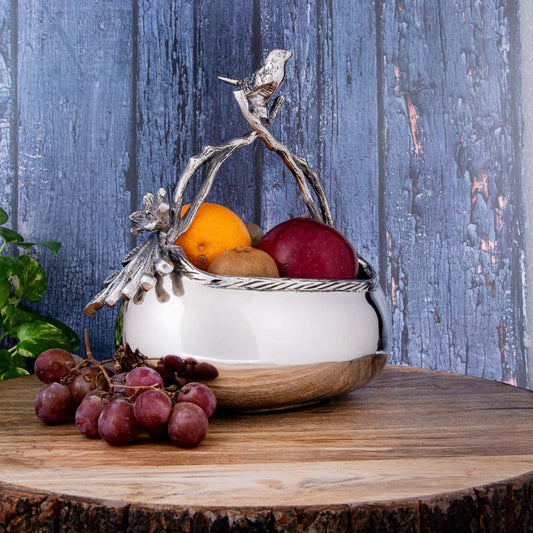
224,41
452,181
524,91
293,26
408,110
7,106
74,94
348,133
330,116
183,47
166,93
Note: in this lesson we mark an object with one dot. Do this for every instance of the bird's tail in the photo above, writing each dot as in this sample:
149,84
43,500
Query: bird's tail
228,80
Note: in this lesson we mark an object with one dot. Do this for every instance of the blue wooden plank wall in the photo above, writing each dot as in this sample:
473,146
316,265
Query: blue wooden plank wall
408,109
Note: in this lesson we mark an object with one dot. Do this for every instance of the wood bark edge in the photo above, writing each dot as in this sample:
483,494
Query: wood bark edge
501,506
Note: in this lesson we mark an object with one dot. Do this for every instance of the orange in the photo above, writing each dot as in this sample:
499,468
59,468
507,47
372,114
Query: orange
214,229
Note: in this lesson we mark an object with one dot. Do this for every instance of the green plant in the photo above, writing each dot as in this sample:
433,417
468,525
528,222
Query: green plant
26,332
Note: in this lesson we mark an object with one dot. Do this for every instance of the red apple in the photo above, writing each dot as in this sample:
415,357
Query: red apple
306,248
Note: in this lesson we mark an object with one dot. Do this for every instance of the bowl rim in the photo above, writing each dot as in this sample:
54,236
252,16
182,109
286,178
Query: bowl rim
183,267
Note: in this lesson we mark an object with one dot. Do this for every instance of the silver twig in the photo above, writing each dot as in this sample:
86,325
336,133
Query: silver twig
297,165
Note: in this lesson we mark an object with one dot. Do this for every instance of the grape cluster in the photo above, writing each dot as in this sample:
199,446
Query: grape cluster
118,399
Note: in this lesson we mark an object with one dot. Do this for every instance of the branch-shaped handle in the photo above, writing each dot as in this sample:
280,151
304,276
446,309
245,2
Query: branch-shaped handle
297,165
216,155
145,267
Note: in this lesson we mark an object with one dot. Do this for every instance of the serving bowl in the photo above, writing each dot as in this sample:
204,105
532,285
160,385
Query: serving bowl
277,343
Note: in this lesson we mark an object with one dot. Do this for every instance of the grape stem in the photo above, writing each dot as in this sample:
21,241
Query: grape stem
138,388
73,372
99,365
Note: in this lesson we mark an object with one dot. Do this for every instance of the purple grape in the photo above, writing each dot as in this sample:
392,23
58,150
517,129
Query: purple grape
199,394
110,368
152,410
204,370
103,394
53,365
77,358
88,379
54,404
195,370
173,362
117,380
117,424
158,434
117,396
187,425
169,376
142,376
88,411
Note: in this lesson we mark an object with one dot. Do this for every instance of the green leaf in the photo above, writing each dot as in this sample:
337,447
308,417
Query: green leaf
5,291
10,236
9,368
69,333
9,267
13,317
53,246
6,361
36,346
119,324
15,372
19,361
3,216
31,284
20,322
38,336
37,328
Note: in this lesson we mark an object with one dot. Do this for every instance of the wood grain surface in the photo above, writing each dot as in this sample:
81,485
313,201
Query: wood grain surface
414,450
272,387
409,110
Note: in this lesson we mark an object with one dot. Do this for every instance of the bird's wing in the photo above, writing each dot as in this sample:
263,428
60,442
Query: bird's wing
264,91
263,75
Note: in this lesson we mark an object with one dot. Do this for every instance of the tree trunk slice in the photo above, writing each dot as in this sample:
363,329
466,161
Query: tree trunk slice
414,450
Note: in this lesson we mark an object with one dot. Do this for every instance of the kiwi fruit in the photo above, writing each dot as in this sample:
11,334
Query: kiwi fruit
256,233
244,261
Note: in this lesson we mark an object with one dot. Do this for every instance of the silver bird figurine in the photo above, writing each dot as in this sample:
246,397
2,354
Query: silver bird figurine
260,86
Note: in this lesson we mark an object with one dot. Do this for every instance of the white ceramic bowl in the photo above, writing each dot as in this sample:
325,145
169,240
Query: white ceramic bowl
263,331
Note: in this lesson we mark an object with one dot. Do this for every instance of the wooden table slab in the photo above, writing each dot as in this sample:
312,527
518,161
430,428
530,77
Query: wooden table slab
414,450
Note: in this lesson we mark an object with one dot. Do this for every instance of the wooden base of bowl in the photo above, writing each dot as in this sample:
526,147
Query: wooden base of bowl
273,387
